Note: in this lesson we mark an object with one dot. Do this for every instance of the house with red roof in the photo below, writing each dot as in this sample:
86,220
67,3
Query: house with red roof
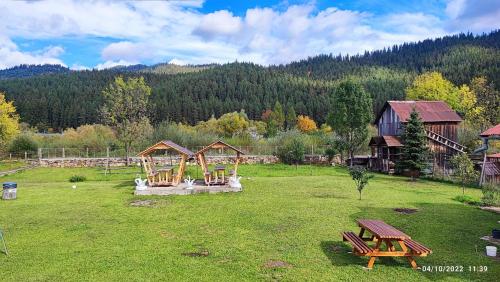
490,168
441,126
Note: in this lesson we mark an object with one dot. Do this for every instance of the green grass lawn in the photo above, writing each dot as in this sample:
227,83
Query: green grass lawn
56,233
10,165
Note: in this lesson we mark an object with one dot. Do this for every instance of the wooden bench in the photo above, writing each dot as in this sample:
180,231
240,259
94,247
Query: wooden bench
384,234
417,247
358,244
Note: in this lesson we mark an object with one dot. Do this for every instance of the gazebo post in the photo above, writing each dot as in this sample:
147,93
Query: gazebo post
236,163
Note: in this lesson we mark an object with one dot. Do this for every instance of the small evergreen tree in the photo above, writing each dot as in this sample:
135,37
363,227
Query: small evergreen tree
414,151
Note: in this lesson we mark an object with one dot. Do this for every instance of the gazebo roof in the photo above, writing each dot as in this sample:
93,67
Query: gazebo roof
165,145
219,144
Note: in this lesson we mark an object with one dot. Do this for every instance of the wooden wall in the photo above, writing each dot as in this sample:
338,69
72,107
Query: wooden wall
446,129
389,123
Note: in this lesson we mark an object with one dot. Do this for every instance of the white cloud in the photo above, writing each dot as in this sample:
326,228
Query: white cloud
11,56
473,15
110,64
178,62
158,31
220,23
126,50
79,67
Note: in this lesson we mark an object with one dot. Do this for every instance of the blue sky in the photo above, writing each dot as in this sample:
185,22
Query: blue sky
101,34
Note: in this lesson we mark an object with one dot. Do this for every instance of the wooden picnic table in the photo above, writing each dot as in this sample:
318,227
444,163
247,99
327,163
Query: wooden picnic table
165,174
384,234
219,171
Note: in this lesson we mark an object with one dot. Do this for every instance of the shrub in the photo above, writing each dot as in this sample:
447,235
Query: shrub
292,148
77,178
491,195
360,177
466,199
23,143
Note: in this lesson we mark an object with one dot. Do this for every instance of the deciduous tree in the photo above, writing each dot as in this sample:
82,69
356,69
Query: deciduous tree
9,121
351,115
463,169
125,108
306,124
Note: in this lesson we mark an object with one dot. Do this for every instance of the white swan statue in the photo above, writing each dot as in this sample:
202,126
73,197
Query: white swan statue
234,182
189,182
140,184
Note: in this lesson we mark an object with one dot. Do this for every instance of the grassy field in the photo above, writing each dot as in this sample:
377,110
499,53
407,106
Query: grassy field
9,165
56,233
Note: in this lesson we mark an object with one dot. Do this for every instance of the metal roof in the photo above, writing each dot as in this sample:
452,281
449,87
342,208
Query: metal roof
429,111
495,130
218,144
496,156
386,141
169,145
492,169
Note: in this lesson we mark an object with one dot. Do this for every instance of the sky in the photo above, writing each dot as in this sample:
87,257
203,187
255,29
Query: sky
101,34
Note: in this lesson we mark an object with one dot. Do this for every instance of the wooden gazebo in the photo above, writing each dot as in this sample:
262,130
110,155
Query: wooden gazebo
218,175
164,176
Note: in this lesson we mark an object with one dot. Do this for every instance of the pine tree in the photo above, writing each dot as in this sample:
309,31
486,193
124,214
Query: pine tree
291,117
414,151
278,115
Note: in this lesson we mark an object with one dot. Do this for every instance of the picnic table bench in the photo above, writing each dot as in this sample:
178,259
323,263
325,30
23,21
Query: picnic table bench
383,233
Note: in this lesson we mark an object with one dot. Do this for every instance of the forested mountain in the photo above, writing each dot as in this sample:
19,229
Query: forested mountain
31,70
458,57
193,93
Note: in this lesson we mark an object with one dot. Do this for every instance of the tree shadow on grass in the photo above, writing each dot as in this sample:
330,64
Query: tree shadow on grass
124,185
340,254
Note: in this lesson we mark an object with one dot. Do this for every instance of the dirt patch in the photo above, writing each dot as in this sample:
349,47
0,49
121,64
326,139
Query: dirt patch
143,203
201,253
491,209
167,234
149,203
405,210
277,264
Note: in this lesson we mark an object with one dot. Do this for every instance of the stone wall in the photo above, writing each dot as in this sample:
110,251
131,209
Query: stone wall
117,162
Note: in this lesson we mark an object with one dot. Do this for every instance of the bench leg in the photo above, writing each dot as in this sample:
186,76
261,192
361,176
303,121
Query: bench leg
372,259
361,233
371,262
412,261
390,246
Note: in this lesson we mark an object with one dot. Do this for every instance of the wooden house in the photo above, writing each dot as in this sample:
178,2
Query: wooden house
441,125
490,167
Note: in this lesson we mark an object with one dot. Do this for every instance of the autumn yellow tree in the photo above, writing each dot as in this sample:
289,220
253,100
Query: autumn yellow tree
432,86
306,124
232,124
9,121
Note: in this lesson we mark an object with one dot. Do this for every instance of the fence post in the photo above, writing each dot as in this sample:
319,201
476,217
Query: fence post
63,153
40,155
10,156
107,161
25,155
87,152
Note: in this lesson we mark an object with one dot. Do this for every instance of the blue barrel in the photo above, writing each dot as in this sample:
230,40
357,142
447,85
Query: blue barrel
9,185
